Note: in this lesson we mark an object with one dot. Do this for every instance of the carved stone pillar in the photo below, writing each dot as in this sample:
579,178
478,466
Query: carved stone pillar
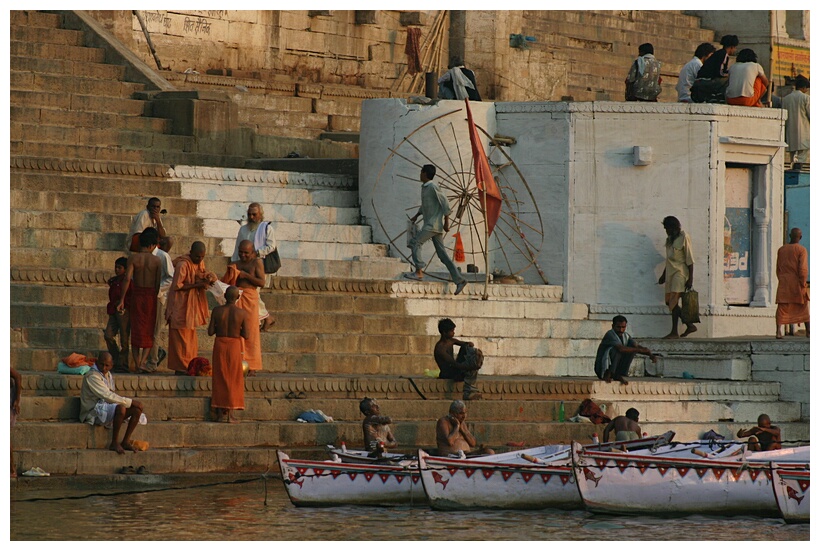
762,223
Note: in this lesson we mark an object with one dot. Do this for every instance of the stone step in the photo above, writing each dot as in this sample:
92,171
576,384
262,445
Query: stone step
311,214
268,121
352,137
348,167
234,192
260,459
342,123
56,51
44,149
79,202
78,102
313,179
279,408
66,67
128,139
271,102
411,434
291,231
111,183
62,117
68,84
46,35
31,18
47,220
93,240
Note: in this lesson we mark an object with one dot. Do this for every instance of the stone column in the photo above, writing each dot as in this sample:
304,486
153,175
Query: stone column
762,222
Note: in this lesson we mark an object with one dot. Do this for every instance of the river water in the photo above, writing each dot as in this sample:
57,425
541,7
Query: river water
238,511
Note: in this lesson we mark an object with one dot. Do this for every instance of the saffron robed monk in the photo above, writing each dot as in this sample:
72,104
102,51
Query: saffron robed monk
187,307
248,273
230,324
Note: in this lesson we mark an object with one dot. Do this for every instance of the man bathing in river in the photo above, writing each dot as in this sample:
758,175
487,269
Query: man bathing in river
100,405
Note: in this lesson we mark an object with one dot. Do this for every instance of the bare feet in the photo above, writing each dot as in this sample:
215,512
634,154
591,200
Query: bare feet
622,380
218,415
778,336
689,330
267,323
251,373
116,448
129,446
231,419
672,335
607,376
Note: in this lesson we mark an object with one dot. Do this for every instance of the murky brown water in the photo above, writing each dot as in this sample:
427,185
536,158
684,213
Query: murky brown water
238,512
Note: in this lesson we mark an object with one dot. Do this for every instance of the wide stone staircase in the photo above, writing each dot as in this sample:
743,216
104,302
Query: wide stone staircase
347,325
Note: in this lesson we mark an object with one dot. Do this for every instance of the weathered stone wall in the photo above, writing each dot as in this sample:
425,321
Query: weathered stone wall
329,47
791,370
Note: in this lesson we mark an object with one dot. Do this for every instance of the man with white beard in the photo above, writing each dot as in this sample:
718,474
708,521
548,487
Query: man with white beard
259,233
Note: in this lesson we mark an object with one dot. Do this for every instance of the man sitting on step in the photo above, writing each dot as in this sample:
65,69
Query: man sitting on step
100,405
453,435
462,368
616,352
260,234
376,427
764,437
146,218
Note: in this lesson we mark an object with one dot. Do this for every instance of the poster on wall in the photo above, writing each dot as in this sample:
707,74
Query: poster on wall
737,237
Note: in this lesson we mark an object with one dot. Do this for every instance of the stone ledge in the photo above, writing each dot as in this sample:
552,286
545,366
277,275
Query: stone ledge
591,107
58,275
644,389
253,176
90,166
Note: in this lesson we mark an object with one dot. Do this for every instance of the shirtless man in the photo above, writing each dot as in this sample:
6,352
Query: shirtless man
452,434
145,270
230,325
764,437
626,427
248,273
462,368
375,427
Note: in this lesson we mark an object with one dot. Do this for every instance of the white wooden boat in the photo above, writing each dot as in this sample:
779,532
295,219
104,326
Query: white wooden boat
535,478
363,456
312,483
723,480
791,491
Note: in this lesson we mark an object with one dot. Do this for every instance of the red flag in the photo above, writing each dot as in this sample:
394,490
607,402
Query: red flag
484,176
458,252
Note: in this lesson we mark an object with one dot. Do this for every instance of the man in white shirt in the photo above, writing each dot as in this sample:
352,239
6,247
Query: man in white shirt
689,72
100,405
147,218
157,354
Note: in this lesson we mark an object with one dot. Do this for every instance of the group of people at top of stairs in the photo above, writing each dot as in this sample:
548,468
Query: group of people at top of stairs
708,78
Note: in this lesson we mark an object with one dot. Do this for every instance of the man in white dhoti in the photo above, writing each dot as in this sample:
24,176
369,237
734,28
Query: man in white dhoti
260,233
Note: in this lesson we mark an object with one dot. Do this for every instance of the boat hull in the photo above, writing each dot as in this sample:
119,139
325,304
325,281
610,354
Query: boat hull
329,483
652,485
791,491
463,484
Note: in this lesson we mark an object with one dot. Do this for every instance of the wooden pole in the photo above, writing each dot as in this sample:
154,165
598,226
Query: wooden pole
148,38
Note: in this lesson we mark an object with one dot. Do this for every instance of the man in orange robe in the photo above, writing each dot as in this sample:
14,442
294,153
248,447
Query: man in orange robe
792,283
230,325
187,307
248,273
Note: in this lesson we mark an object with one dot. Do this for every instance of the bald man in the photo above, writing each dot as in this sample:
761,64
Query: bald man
248,273
792,283
187,307
260,234
101,405
230,324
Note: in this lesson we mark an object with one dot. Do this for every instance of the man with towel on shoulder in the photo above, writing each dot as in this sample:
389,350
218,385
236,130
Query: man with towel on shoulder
230,324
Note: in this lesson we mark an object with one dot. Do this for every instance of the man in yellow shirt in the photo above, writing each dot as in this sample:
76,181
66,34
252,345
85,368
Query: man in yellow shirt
678,273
